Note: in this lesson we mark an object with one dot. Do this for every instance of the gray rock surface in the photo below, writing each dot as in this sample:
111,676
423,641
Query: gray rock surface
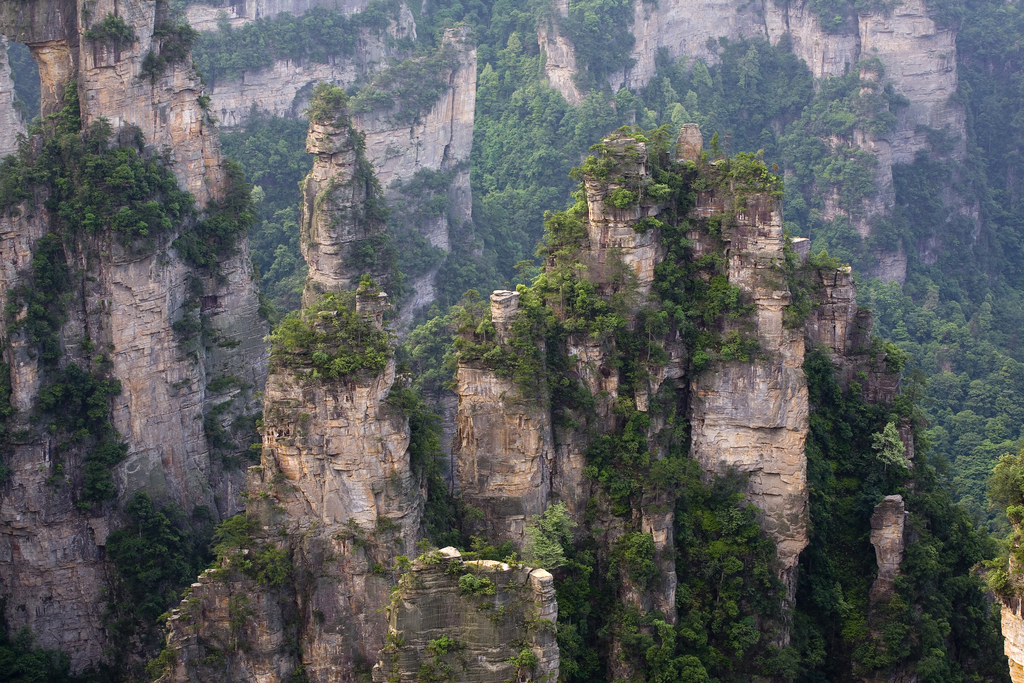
10,120
484,628
126,302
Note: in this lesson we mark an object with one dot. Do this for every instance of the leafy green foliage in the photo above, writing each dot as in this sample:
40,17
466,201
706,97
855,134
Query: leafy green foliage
317,35
474,585
330,340
938,616
408,88
79,404
215,237
112,31
547,536
265,563
600,33
22,662
328,105
156,554
174,41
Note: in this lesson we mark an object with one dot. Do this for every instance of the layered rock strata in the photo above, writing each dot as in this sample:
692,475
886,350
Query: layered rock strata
1012,622
438,141
464,621
342,231
338,495
283,89
10,120
753,416
125,302
503,445
887,525
559,54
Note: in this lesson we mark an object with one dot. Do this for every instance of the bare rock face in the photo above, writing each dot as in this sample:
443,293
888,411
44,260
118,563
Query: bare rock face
887,523
465,621
614,243
203,17
1013,639
125,303
559,54
438,140
753,416
283,89
344,450
503,444
10,120
224,616
342,227
689,143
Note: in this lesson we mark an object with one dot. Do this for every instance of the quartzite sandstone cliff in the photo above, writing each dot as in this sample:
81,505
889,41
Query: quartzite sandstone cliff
125,303
10,120
342,231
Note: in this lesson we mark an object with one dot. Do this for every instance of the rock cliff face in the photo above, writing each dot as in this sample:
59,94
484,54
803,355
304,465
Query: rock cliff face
284,88
753,416
439,140
10,120
1013,640
342,228
919,58
125,303
503,443
339,501
336,495
559,53
466,621
887,524
203,16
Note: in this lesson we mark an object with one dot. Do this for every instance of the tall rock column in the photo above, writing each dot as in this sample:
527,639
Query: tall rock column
753,416
503,444
342,228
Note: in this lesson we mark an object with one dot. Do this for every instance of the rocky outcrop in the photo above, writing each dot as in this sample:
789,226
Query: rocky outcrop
1013,639
338,495
342,227
123,303
613,243
10,120
225,616
918,56
752,416
887,524
335,494
481,621
503,444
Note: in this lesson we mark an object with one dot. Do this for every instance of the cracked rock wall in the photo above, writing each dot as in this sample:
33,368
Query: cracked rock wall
126,302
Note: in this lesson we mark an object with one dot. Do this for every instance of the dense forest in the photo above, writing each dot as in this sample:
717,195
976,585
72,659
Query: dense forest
952,329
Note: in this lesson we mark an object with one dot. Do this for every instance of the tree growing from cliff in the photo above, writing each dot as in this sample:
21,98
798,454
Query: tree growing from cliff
546,537
890,448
